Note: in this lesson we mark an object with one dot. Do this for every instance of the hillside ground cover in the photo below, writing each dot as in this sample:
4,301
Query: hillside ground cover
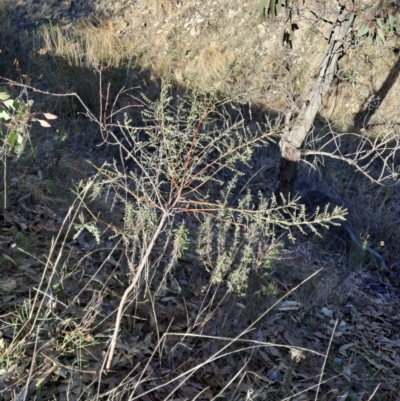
163,160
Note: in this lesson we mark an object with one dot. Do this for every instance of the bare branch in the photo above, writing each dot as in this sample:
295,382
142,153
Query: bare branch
374,157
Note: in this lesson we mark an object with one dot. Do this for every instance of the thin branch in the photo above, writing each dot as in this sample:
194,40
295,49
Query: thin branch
132,287
325,359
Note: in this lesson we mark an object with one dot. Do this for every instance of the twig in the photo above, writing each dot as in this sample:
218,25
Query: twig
373,394
325,359
132,286
46,268
220,353
255,342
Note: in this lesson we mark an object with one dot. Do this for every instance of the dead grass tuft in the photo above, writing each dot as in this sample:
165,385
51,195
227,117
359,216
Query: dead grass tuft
366,89
90,47
213,65
163,8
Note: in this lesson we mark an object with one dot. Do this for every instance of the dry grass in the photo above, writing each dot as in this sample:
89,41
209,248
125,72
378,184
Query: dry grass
223,45
59,293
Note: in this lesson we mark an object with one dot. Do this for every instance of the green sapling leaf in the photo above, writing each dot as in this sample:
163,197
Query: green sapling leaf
391,22
272,9
4,96
278,6
381,35
4,115
12,139
261,6
362,30
10,104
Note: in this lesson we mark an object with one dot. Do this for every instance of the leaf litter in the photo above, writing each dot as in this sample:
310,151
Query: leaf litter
184,339
70,345
169,344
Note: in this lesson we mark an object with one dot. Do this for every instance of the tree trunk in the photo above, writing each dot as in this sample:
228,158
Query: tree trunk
293,139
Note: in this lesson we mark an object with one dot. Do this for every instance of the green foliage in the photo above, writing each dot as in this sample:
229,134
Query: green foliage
376,29
89,226
74,336
273,256
7,105
179,246
272,7
9,360
8,108
189,161
181,239
373,29
184,146
5,263
15,117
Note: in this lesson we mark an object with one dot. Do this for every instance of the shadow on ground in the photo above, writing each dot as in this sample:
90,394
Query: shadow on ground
55,160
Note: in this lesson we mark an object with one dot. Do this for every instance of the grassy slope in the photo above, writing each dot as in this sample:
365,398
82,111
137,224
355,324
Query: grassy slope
226,46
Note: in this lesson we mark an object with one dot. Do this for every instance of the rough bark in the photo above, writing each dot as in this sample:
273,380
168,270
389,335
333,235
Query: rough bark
292,140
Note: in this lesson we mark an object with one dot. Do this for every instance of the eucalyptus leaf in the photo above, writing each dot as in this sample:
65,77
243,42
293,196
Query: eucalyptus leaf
43,123
261,6
362,30
381,35
4,96
4,115
391,23
272,8
9,103
278,6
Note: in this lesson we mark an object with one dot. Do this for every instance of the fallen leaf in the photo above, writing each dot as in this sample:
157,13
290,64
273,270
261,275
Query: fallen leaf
43,123
8,285
290,305
327,312
345,347
50,116
9,258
